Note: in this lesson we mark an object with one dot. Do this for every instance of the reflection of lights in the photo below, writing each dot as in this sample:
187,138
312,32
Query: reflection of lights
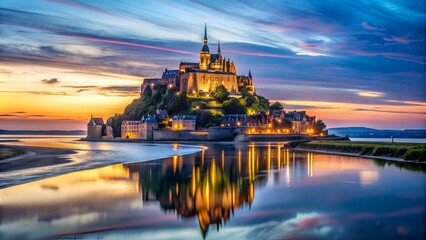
368,177
279,157
175,146
287,168
269,159
175,159
310,165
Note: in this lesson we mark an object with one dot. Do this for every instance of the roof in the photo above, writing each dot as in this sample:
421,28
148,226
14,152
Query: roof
296,116
95,121
161,114
185,118
150,80
170,73
188,63
150,119
213,57
205,48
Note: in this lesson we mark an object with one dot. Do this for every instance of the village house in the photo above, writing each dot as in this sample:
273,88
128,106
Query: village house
301,121
184,122
142,129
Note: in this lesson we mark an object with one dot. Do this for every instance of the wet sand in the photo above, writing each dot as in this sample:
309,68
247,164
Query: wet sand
34,157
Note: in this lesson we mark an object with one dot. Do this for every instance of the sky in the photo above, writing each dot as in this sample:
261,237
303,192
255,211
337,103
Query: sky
350,63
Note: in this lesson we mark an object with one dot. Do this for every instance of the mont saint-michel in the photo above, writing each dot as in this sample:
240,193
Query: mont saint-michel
212,120
204,100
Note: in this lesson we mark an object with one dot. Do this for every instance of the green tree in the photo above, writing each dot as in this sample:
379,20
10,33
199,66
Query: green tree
207,119
250,100
233,106
319,126
275,106
220,93
263,102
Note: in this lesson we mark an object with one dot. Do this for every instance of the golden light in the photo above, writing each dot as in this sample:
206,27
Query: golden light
170,86
269,130
269,125
279,120
238,123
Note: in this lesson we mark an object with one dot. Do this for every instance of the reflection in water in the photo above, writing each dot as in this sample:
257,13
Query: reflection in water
258,191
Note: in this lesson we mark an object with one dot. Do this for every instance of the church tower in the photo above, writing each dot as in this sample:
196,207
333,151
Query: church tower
205,52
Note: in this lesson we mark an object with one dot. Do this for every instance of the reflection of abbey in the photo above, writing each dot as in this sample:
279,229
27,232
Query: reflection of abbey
213,69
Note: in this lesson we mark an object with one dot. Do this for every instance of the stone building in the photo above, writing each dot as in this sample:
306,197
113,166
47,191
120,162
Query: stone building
184,122
301,121
142,129
95,128
211,70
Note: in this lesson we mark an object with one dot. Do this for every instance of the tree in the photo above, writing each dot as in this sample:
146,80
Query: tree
220,93
233,106
275,106
207,119
263,102
319,126
250,100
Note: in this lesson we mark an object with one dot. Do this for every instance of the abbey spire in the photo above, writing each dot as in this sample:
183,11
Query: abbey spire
205,51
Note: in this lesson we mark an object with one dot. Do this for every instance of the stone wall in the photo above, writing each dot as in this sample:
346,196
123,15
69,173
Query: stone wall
269,137
168,135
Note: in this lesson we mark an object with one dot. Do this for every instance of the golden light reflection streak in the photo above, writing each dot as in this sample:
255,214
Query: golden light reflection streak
193,180
175,159
269,159
202,158
239,161
287,168
310,163
279,157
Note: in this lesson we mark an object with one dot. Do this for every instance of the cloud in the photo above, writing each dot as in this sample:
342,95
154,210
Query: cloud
367,26
386,111
50,81
118,91
402,40
369,94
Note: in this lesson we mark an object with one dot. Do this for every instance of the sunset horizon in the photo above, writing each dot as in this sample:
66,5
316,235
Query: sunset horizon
74,59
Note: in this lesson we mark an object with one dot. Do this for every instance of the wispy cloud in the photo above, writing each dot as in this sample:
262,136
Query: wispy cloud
50,81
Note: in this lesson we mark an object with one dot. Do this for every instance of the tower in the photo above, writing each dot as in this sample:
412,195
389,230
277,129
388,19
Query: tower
205,51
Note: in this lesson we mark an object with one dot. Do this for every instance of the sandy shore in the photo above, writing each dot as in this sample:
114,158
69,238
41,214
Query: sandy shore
34,157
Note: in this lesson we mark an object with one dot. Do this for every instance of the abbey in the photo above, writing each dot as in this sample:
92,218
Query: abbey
213,69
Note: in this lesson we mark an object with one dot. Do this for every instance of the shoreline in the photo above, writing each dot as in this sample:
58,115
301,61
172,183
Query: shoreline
391,159
34,157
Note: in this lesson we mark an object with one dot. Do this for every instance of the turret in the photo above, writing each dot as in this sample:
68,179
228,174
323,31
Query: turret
205,51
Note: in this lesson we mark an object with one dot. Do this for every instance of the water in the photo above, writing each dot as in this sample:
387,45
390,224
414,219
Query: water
227,191
89,155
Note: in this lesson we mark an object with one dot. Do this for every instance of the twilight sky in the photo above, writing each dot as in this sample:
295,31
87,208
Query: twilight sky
351,63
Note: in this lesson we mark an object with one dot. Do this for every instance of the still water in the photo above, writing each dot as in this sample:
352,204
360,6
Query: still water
227,191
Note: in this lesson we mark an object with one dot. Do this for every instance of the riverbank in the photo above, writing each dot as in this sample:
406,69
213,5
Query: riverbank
405,152
26,157
8,152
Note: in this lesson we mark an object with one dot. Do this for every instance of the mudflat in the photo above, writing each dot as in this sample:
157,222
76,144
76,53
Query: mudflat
31,157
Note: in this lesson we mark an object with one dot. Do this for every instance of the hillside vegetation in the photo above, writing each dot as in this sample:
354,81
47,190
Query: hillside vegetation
209,108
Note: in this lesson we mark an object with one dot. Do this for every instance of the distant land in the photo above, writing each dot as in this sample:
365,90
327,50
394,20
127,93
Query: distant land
43,132
363,132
